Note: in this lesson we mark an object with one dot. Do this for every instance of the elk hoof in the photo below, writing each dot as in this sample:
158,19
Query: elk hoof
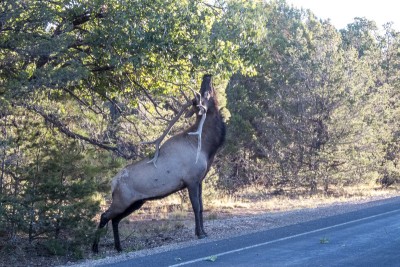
201,236
95,248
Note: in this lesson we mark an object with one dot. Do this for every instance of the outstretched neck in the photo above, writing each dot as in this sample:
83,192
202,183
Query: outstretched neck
213,135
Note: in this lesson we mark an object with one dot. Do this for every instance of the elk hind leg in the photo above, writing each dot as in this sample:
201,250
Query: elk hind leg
115,222
103,221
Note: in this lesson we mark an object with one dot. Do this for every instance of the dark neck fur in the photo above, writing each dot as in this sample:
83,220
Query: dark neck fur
213,135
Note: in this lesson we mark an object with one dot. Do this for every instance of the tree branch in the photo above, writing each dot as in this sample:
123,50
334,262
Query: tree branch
158,141
81,101
141,87
125,150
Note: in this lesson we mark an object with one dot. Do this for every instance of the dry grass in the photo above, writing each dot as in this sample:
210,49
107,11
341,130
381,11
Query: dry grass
257,200
170,220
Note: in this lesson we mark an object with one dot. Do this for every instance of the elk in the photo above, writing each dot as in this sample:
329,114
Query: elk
181,162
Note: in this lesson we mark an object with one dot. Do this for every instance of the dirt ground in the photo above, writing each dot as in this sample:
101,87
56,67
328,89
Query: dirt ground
166,224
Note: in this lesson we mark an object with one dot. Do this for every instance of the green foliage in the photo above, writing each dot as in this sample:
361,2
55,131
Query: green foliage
128,65
49,184
318,111
84,83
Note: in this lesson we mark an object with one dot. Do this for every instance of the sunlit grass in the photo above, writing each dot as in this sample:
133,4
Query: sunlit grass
257,199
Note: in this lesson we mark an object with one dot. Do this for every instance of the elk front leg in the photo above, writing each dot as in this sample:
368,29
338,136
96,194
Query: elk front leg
195,201
201,210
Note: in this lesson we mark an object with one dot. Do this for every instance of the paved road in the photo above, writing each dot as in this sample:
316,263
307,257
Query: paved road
368,237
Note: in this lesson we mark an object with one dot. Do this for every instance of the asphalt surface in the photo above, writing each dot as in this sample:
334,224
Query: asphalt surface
368,237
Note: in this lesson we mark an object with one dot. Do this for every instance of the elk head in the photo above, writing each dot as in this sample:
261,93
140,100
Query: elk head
204,99
201,103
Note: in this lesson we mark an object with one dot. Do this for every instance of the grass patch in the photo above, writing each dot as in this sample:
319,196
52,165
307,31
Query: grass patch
171,220
177,215
256,199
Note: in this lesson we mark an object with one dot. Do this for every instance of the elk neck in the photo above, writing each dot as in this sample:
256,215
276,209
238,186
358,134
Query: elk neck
213,134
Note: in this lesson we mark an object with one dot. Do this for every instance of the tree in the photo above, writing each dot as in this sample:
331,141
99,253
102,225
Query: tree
314,114
50,185
389,44
113,59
